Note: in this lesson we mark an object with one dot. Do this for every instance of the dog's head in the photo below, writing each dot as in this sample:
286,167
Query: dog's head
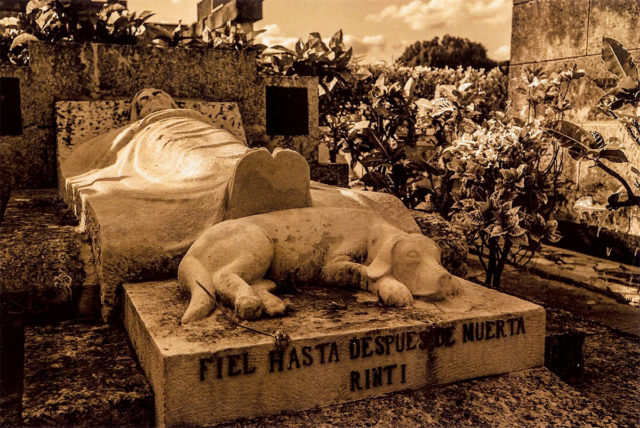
411,259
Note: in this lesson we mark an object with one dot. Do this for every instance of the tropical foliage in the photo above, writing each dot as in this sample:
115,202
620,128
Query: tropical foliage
620,102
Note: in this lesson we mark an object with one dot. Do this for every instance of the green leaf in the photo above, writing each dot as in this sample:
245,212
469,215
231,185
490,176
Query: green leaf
283,49
336,42
606,83
22,39
362,73
145,15
617,59
613,155
570,135
409,88
578,152
36,4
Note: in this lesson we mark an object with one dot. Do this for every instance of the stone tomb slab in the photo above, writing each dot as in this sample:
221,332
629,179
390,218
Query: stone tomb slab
344,347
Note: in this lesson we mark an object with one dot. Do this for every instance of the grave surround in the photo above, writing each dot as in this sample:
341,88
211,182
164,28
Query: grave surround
344,347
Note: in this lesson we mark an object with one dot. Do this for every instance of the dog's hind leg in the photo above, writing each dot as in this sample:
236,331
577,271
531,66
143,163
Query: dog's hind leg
190,273
234,290
273,305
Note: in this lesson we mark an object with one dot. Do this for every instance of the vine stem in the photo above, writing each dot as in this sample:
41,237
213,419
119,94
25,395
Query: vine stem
632,198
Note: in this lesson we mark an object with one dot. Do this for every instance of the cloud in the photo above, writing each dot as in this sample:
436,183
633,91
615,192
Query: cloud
432,14
502,53
274,36
366,44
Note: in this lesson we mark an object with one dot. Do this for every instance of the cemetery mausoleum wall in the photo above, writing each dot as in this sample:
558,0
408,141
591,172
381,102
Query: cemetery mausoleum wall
553,34
69,71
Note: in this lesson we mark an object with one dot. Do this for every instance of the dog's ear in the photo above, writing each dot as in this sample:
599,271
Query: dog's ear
382,255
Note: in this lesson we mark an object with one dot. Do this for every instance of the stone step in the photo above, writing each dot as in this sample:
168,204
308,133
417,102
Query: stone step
611,278
83,374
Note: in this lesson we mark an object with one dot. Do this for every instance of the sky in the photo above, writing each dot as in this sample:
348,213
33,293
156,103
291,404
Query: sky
378,30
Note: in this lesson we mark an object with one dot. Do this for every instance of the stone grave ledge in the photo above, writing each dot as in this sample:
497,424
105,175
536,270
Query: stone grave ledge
46,267
344,347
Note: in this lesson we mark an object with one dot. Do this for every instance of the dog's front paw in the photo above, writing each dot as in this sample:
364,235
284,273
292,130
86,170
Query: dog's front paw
393,293
249,307
455,287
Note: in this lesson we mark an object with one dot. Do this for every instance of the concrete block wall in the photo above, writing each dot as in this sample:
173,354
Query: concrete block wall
69,71
553,34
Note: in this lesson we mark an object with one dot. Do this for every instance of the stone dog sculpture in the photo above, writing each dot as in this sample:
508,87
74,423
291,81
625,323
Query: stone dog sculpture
240,261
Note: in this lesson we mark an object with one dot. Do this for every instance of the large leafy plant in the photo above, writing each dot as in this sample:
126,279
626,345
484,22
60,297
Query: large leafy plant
620,102
400,140
507,174
329,62
504,178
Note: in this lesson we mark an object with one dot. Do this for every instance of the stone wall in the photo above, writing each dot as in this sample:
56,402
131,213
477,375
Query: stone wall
553,34
68,71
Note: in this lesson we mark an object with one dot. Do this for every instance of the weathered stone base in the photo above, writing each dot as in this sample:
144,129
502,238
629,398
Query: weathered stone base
344,347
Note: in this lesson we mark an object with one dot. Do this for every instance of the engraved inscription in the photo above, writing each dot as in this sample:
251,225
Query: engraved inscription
374,347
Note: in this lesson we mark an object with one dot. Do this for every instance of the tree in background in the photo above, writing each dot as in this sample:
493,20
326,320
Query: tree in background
450,51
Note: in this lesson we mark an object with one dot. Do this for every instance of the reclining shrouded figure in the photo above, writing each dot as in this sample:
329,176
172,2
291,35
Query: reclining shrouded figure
157,184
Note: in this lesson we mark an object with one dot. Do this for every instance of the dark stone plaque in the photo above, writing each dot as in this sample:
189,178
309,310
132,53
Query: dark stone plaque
10,116
287,111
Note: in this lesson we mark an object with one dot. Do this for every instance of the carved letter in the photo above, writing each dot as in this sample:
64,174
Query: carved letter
500,329
511,322
388,340
400,341
520,325
449,341
410,340
377,376
355,381
467,332
389,370
490,334
293,357
203,366
320,347
480,334
307,359
231,367
354,348
245,364
275,357
366,352
333,352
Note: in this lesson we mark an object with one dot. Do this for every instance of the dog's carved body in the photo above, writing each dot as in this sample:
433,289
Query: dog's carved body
240,261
